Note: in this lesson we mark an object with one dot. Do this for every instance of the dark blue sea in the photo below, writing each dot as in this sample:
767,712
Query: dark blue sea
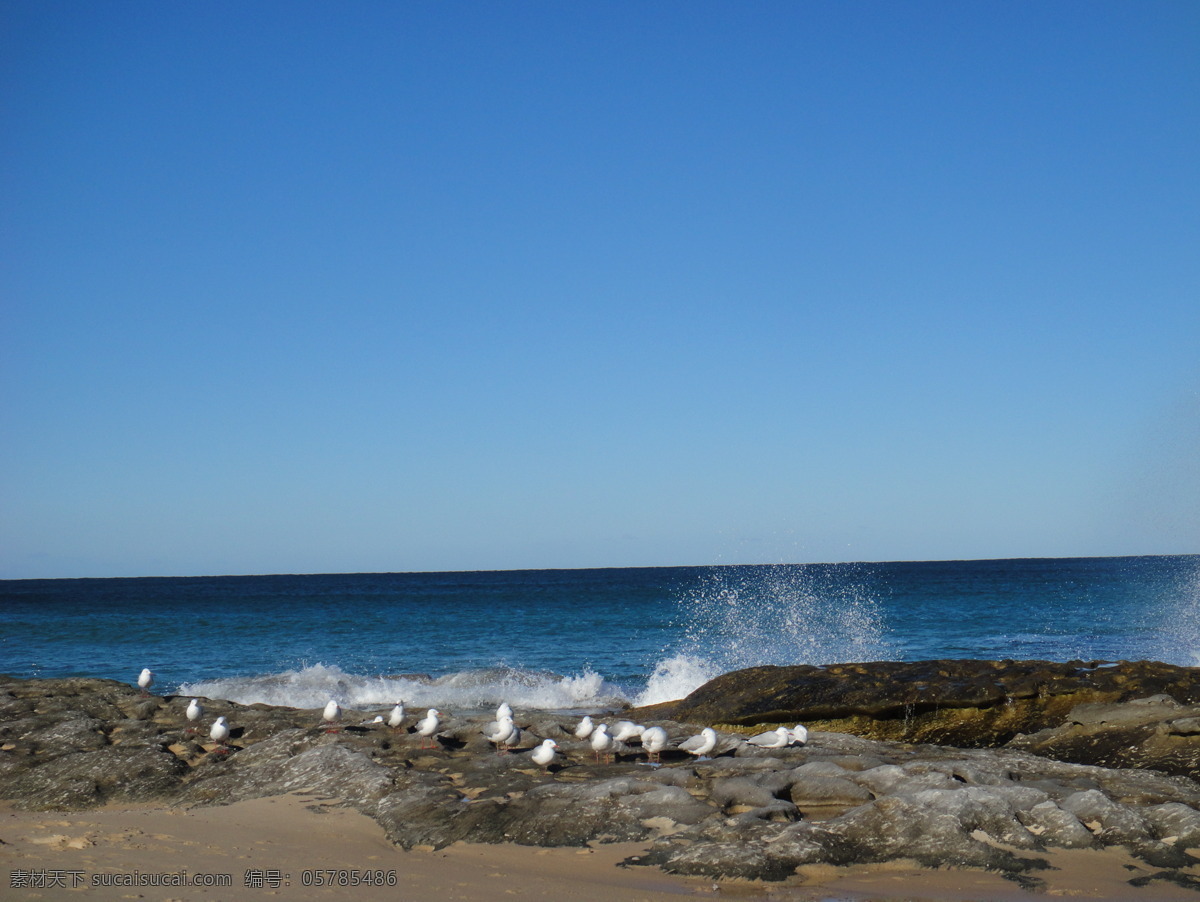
585,639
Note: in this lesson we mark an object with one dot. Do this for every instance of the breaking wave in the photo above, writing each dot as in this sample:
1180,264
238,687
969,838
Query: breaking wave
313,686
741,617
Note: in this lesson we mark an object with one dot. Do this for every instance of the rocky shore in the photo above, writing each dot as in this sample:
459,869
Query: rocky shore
1065,756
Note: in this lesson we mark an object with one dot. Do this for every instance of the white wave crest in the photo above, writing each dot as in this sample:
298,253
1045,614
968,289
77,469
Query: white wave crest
313,686
676,677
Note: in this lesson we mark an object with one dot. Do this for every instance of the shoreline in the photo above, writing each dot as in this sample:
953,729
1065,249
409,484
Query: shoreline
266,845
110,791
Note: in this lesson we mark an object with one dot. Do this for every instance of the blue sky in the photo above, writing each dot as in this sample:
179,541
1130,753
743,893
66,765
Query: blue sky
311,287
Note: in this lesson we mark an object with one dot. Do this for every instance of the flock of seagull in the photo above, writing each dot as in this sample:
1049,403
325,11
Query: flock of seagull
605,741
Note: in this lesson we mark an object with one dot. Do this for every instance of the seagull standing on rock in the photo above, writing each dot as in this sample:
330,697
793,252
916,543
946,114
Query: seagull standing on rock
544,754
194,712
396,718
428,727
602,743
332,715
700,744
654,740
146,680
503,734
584,728
220,732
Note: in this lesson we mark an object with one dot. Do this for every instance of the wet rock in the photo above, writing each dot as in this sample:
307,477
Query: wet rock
1056,827
48,735
965,703
93,777
1156,733
811,791
1112,822
725,860
428,811
1175,823
328,770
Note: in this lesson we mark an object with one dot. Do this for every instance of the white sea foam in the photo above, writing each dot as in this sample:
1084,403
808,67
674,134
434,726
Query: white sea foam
676,677
313,686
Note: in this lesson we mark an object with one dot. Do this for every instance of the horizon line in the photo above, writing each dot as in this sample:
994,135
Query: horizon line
614,567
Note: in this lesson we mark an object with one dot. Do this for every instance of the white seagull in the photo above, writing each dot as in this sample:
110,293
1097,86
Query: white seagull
396,718
584,729
146,680
194,712
331,715
503,734
799,734
654,740
700,744
624,730
544,754
220,731
503,711
602,743
428,727
779,738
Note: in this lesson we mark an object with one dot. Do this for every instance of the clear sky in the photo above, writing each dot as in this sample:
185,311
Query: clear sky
324,287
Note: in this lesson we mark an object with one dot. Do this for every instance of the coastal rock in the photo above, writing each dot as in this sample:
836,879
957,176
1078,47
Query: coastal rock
1155,732
742,812
1122,714
90,777
814,791
1056,826
327,770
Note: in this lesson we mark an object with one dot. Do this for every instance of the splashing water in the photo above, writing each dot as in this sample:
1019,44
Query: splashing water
675,677
471,690
741,617
1178,628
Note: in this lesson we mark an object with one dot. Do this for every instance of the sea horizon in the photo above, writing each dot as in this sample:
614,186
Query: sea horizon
947,560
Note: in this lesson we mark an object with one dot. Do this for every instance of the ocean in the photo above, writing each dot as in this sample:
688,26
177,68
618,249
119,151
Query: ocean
584,640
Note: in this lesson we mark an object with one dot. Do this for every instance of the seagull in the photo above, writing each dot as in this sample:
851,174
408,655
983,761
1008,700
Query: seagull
146,680
544,754
194,711
505,710
654,740
428,727
503,734
700,744
219,732
331,715
397,716
626,729
602,743
799,734
779,738
584,729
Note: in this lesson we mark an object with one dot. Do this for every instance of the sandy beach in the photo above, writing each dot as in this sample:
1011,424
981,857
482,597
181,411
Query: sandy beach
283,847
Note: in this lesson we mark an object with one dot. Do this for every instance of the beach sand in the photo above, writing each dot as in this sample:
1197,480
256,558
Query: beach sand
276,848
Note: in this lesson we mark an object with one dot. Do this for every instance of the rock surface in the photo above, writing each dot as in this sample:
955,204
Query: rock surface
970,704
746,812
